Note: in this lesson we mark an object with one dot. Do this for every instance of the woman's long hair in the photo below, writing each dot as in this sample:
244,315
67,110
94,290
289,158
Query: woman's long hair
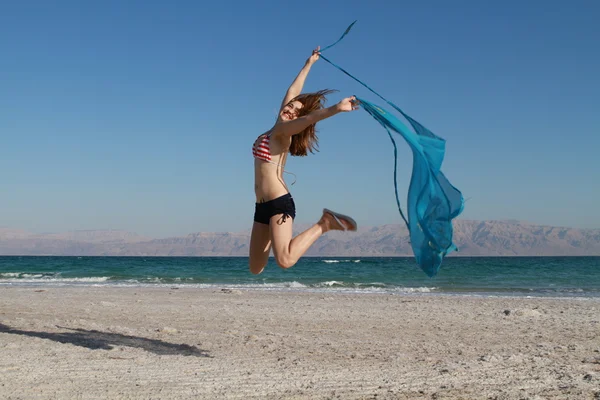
307,140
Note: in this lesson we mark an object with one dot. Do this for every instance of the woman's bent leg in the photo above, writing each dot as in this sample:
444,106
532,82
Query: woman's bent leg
288,250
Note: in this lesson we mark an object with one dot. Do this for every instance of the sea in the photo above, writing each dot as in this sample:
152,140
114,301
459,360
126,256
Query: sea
476,276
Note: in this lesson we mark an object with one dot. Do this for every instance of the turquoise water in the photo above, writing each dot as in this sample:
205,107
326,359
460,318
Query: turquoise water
521,276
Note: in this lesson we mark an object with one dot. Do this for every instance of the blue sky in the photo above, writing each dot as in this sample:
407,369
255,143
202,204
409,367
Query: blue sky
140,115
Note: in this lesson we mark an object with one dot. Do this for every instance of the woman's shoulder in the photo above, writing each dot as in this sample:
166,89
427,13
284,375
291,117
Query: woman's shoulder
275,136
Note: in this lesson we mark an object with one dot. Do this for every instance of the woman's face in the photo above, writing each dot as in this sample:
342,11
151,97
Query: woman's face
290,111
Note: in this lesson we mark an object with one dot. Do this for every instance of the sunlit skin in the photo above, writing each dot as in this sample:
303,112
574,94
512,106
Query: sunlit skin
269,183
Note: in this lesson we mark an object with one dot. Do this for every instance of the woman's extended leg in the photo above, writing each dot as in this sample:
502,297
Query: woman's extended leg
288,250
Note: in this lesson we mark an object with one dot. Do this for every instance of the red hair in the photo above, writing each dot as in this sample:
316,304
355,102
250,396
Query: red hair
307,140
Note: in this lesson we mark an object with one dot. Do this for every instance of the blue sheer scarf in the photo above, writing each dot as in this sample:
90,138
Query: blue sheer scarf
432,202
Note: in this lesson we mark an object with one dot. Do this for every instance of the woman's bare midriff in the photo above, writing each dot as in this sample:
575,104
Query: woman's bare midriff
268,181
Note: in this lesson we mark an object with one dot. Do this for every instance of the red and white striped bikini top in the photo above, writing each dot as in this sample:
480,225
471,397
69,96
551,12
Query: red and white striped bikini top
261,149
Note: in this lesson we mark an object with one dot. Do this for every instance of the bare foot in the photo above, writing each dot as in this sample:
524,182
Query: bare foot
329,222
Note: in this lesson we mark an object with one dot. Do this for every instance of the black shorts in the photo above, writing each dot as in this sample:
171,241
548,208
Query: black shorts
281,205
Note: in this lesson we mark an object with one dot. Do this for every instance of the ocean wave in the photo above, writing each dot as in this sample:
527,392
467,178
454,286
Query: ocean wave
10,275
35,278
340,261
331,283
28,275
45,278
326,286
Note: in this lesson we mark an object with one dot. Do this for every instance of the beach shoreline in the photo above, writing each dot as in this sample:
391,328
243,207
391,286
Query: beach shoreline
183,342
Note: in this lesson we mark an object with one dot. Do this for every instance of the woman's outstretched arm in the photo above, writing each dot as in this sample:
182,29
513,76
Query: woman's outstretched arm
296,87
293,127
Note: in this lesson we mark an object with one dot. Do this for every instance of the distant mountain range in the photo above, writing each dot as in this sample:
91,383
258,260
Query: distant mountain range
474,238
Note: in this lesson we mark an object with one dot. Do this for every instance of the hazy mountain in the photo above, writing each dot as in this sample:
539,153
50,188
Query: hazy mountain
474,238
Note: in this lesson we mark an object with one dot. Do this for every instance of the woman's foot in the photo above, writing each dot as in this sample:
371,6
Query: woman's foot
336,221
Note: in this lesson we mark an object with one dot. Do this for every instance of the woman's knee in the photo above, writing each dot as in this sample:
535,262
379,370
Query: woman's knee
257,267
285,261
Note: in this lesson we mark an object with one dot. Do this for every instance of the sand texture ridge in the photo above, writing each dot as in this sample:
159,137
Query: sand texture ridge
180,343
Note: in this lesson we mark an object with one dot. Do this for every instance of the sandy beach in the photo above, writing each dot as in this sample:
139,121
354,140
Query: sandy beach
179,343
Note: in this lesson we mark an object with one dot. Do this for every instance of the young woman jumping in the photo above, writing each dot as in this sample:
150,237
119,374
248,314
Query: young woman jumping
293,133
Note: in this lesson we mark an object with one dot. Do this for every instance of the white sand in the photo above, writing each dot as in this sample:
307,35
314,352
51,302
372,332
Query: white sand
162,343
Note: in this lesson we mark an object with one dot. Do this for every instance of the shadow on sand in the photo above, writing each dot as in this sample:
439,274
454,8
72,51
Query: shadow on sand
97,340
